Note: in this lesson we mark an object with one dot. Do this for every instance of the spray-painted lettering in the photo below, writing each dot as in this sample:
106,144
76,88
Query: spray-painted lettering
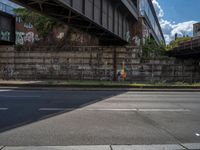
29,37
5,35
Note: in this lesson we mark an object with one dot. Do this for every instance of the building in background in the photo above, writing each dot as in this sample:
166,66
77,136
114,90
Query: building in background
149,22
196,30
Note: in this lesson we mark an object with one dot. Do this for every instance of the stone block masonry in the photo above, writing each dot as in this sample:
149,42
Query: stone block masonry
92,63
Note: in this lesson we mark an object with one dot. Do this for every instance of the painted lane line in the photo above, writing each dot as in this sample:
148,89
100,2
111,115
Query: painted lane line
3,109
110,109
140,110
5,90
115,109
164,110
56,109
20,96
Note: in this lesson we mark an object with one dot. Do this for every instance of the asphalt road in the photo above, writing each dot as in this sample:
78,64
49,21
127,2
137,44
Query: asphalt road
60,118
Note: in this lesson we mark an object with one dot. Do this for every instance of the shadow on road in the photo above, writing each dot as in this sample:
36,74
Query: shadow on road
24,107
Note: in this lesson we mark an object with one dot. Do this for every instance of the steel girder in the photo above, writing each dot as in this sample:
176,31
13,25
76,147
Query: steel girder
109,20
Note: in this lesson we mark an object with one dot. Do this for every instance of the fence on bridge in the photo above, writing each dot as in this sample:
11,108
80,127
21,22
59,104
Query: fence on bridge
187,50
189,45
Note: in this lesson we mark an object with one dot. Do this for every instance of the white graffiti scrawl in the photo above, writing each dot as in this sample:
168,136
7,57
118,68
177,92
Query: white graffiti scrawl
29,37
22,37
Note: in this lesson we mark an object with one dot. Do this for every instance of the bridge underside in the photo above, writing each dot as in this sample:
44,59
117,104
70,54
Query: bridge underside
186,53
111,21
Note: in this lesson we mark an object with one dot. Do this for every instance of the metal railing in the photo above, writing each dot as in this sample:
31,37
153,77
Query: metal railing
189,45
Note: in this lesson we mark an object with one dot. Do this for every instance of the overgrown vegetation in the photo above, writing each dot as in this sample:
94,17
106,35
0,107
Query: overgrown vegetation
41,23
152,50
176,42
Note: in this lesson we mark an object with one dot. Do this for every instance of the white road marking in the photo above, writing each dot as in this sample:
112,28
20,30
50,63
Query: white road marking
164,110
96,109
5,90
139,110
56,109
20,96
113,109
3,109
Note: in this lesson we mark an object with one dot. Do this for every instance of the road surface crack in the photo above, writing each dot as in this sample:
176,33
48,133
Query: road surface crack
156,124
2,147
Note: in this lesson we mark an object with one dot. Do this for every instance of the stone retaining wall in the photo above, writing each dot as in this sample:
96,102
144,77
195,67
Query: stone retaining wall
92,63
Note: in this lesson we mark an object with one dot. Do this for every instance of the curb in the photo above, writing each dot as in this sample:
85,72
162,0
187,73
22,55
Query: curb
194,146
68,88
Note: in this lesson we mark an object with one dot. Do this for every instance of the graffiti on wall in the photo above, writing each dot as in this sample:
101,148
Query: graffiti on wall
29,37
28,26
127,36
8,72
136,40
5,35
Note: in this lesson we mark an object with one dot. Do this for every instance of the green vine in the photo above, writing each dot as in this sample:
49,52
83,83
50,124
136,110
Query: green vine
152,50
41,23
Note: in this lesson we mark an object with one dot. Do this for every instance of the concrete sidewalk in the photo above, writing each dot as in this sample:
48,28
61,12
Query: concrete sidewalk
190,146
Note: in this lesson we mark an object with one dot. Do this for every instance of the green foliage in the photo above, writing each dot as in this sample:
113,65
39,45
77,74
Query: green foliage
152,49
41,23
176,42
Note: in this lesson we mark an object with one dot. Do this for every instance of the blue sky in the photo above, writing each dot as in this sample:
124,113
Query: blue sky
177,16
180,10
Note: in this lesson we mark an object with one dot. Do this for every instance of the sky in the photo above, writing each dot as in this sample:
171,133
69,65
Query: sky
177,16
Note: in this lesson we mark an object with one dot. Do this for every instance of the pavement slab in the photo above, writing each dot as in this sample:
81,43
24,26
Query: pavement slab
193,146
60,148
148,147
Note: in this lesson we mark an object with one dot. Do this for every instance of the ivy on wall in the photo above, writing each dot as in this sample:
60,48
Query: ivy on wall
41,23
152,50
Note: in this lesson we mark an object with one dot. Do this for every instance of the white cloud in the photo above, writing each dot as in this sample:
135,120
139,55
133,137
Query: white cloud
158,9
171,28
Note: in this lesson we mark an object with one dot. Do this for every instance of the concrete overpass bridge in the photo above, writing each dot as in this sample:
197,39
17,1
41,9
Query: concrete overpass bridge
187,50
110,20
